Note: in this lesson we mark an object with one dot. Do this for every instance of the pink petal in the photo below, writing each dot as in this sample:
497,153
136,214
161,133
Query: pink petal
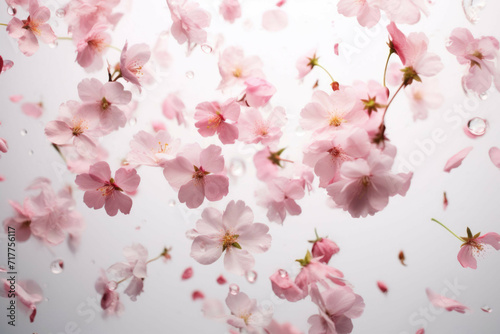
205,250
127,179
457,159
118,201
187,274
197,295
216,187
15,98
494,153
32,109
192,193
274,20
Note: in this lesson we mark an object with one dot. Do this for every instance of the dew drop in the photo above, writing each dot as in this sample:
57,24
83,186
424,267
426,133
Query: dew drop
472,8
31,152
61,12
24,132
190,74
54,44
206,48
112,285
132,121
237,167
251,276
477,126
283,273
486,309
171,203
234,289
483,96
11,11
57,266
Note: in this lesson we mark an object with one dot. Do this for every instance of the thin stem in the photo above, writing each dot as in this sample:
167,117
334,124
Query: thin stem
122,280
386,64
114,47
316,232
285,160
65,38
60,153
462,240
3,24
388,104
155,258
324,69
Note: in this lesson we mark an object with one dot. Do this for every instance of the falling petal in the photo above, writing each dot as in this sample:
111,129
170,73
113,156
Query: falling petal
457,159
198,295
274,20
445,201
187,274
495,156
382,286
221,280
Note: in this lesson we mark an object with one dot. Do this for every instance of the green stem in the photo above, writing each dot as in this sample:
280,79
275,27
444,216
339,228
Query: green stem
324,69
388,104
113,47
65,38
462,240
155,258
316,232
386,64
123,280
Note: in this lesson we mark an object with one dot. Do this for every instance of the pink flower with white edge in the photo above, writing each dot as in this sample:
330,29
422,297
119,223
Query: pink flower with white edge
189,20
254,128
110,301
480,54
102,101
275,328
103,190
74,128
367,12
91,47
235,68
365,185
337,306
21,221
213,117
306,63
28,293
422,97
230,10
132,62
327,156
5,64
198,175
173,107
135,268
334,111
27,32
404,12
280,198
475,245
324,249
258,92
245,314
152,150
447,303
233,232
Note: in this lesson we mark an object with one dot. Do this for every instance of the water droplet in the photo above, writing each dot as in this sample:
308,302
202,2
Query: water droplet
486,309
283,273
57,266
190,74
234,289
132,121
483,96
472,8
477,126
251,276
171,202
11,11
54,44
237,167
24,132
206,48
61,12
112,285
31,152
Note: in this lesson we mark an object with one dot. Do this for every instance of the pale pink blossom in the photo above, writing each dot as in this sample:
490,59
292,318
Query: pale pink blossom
494,154
135,268
422,97
197,174
281,198
313,271
253,128
189,20
152,150
367,12
285,288
404,11
5,64
474,246
27,32
34,110
306,63
160,52
337,306
245,314
82,15
4,147
274,20
456,160
102,101
132,62
372,98
28,293
365,186
91,47
230,10
232,232
258,92
110,301
275,328
103,190
444,302
213,117
235,68
480,54
268,163
21,221
173,107
78,164
324,249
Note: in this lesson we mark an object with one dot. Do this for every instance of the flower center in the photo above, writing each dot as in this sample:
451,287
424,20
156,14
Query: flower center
31,25
105,104
79,127
97,44
245,317
237,72
199,173
215,120
108,188
335,151
162,147
136,68
229,239
365,181
336,120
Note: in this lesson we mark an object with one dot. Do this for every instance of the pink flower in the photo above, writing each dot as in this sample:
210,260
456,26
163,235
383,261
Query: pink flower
456,160
83,15
187,274
306,63
474,245
313,271
365,186
331,112
103,101
28,31
21,221
91,47
267,163
480,54
422,97
337,306
258,92
324,249
285,288
245,314
230,10
152,150
405,12
73,127
110,301
235,68
446,303
173,107
253,128
34,110
135,268
494,154
103,190
232,231
275,328
213,118
189,20
5,64
160,52
366,11
132,63
28,293
274,20
281,197
197,174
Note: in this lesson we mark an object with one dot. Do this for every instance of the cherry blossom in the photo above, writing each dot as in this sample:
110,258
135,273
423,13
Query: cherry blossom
173,107
34,110
324,249
268,163
233,232
235,68
152,150
189,20
404,11
230,10
213,117
103,190
258,92
366,11
446,303
196,173
21,221
474,245
132,62
245,314
253,128
275,328
5,64
91,47
83,15
27,32
306,63
135,268
281,197
274,20
110,301
28,293
422,97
